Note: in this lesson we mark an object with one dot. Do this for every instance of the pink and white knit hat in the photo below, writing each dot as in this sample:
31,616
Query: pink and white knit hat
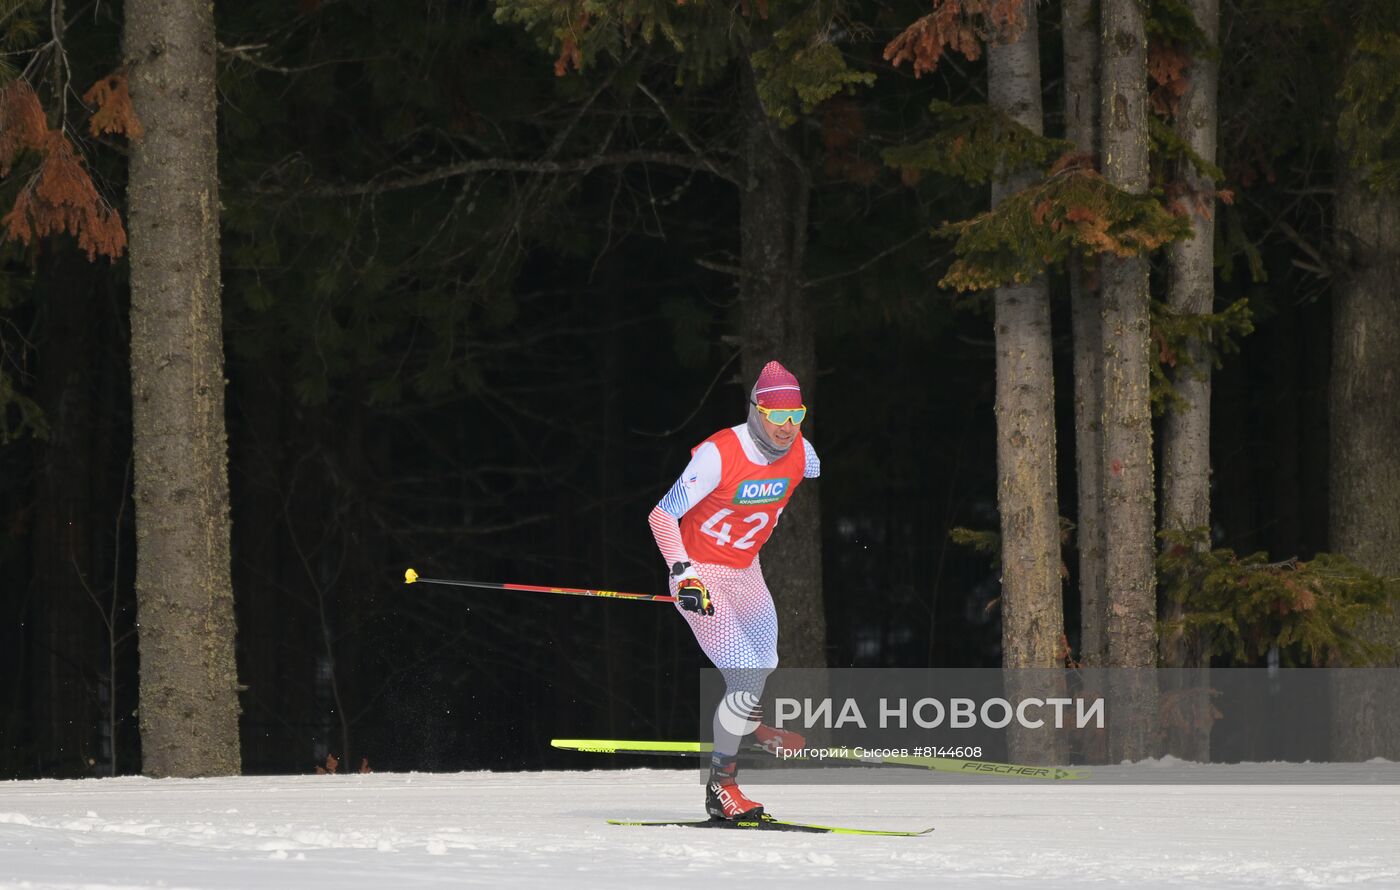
777,388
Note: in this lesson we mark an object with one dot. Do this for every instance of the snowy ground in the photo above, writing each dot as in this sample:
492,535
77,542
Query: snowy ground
547,829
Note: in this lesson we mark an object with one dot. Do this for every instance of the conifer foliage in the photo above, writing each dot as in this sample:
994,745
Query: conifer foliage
1369,123
59,195
801,68
1192,343
972,143
1245,606
1073,207
1174,37
114,114
792,47
959,26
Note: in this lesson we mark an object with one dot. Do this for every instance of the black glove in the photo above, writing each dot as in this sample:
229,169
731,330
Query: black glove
691,593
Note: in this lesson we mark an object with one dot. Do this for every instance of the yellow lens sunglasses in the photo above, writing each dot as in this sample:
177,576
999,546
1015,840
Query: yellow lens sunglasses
780,416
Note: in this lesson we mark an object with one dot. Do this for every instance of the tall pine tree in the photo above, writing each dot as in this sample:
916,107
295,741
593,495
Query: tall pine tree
1032,607
1079,27
1129,575
189,699
1186,466
1365,414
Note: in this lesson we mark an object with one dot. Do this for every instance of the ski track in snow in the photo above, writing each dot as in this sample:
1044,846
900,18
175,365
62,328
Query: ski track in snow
547,829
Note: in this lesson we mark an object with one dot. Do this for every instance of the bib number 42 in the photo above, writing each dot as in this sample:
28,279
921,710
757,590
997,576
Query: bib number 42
722,531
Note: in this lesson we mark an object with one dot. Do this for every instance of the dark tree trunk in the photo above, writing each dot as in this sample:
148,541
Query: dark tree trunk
1032,604
1191,291
1129,575
1286,364
1081,49
1186,430
1032,617
278,652
351,600
1235,510
777,324
70,593
189,701
319,532
115,543
1316,458
1365,424
255,443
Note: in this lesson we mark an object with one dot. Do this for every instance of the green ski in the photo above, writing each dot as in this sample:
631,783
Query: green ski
768,823
937,764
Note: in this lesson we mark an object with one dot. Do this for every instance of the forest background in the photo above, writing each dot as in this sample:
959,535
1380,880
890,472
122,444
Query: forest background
487,272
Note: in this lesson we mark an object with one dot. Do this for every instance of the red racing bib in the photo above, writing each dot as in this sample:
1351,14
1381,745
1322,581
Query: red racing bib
734,521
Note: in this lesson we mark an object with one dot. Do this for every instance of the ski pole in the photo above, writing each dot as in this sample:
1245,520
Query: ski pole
411,577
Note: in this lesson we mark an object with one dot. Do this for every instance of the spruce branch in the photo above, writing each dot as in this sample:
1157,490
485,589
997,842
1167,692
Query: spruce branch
1369,123
974,143
1243,606
959,26
803,67
488,165
1072,208
1218,332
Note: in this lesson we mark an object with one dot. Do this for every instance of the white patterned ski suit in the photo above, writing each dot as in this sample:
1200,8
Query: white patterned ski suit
741,638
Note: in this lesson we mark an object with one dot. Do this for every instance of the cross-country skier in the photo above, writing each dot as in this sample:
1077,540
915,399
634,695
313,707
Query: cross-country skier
710,527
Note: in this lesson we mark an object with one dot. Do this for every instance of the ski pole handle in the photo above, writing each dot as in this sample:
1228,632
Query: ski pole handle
411,577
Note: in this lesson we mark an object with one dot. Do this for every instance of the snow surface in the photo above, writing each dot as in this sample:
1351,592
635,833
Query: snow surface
548,829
